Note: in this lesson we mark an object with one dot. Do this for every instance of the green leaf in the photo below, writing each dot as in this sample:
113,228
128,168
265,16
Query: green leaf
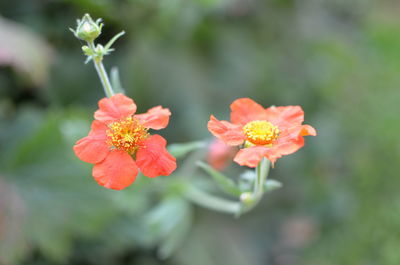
116,81
246,180
111,42
225,184
53,188
272,184
169,222
177,235
180,150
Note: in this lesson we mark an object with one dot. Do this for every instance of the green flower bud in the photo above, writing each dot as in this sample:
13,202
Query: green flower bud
87,29
87,51
247,198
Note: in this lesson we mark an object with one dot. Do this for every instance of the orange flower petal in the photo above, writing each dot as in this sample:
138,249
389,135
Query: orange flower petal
308,130
295,133
251,156
153,158
286,116
93,148
155,118
230,133
285,148
290,141
245,110
98,130
90,151
117,171
117,107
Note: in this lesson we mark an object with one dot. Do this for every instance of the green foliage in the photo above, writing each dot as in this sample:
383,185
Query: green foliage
170,221
340,60
181,150
224,183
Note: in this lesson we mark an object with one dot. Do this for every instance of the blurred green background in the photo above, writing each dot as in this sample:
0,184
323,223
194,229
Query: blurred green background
338,59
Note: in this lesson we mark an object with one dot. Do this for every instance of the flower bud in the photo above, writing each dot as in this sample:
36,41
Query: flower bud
87,51
246,198
87,29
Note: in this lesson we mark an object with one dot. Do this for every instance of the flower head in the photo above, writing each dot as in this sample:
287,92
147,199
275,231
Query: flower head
219,154
272,132
119,143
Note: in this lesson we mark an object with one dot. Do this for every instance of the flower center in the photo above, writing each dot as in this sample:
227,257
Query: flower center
261,132
126,134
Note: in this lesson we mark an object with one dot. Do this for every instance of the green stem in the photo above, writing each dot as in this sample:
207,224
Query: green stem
101,71
212,202
264,170
215,203
257,184
261,176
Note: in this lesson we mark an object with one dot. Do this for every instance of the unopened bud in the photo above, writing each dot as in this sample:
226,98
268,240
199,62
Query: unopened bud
246,198
87,29
88,51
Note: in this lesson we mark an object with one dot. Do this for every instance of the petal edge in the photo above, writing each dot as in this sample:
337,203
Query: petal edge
228,132
117,107
244,110
153,158
155,118
117,171
250,156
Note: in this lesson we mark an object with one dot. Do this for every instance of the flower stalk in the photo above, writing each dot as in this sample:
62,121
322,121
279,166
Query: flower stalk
88,30
101,72
212,202
250,200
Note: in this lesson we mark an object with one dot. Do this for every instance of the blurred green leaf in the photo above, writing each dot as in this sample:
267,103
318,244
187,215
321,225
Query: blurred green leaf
271,184
116,81
246,180
54,188
177,236
181,150
12,231
170,222
224,183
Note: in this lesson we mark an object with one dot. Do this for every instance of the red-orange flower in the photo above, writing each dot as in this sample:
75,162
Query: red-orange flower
219,154
270,133
119,144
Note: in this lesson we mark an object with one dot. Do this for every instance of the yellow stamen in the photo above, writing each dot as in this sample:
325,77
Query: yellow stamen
261,132
126,134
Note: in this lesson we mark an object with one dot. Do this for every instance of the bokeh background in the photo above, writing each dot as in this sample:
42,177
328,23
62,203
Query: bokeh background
338,59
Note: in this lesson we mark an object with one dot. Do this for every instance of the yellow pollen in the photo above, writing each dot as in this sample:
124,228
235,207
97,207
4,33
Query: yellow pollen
126,134
261,132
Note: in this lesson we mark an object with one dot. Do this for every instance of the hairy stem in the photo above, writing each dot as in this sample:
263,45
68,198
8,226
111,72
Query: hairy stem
262,171
212,202
101,71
